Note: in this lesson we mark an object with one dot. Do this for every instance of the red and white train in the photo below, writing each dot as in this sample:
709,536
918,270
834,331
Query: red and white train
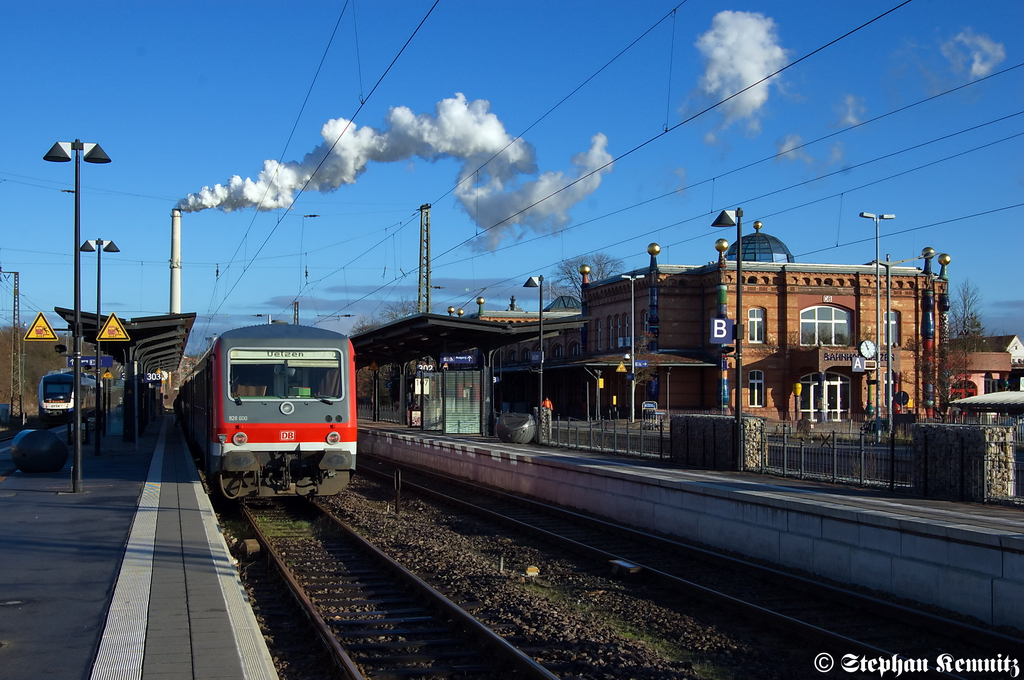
271,411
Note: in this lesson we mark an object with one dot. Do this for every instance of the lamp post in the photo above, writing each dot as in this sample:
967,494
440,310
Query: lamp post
61,153
632,345
538,283
100,246
878,317
730,218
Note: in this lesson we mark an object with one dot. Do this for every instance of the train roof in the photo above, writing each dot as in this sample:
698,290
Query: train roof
67,377
281,332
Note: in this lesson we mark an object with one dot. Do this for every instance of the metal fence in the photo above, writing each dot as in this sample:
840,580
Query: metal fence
392,414
854,459
833,459
648,438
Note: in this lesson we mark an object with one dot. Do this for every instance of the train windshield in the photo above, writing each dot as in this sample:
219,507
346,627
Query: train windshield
285,374
56,391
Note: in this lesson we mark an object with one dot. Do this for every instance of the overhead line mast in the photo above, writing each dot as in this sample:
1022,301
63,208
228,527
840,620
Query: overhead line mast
424,287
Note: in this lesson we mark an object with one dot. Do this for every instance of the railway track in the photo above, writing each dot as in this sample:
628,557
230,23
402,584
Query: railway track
841,623
378,619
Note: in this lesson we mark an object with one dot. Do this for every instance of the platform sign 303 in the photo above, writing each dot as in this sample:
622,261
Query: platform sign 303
158,376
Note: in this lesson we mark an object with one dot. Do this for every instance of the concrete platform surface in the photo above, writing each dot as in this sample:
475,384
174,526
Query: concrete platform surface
130,578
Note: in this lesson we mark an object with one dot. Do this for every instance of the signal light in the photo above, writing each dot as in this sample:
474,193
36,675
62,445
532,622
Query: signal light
239,439
333,438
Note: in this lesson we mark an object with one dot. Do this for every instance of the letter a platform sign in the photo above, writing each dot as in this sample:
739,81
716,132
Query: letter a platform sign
40,329
112,329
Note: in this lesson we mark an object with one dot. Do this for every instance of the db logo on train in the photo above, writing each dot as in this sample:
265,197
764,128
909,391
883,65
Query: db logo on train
287,435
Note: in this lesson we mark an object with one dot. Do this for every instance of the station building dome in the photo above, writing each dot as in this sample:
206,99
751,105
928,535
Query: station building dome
761,247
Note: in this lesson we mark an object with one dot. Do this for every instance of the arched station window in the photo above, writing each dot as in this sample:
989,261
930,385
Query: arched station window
829,326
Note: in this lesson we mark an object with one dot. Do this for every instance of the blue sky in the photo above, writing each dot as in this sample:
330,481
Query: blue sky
538,131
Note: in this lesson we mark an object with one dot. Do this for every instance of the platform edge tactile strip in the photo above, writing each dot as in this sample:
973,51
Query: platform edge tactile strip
123,643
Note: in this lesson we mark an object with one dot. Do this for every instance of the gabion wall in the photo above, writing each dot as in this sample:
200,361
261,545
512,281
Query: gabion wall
707,441
963,462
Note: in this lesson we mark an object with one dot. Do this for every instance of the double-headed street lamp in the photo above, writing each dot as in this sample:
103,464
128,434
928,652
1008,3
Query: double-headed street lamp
878,316
99,246
734,218
632,345
538,282
61,153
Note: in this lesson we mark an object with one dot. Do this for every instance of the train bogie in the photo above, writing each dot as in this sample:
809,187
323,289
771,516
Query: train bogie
271,411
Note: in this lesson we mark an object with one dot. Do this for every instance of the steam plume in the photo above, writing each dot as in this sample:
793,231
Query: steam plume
459,129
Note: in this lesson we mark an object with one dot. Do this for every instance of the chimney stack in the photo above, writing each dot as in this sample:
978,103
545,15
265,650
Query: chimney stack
175,261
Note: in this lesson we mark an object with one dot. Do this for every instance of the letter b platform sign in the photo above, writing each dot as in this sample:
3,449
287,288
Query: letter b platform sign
721,331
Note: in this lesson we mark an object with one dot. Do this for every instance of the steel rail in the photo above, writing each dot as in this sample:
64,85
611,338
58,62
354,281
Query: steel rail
937,624
512,658
518,660
338,654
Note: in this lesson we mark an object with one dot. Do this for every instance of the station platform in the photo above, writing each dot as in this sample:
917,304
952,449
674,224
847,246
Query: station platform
965,557
130,578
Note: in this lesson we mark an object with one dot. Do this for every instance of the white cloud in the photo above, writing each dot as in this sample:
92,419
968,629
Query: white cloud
836,154
788,151
851,110
978,50
740,49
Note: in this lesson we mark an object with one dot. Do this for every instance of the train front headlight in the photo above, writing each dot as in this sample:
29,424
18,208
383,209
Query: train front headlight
239,439
333,438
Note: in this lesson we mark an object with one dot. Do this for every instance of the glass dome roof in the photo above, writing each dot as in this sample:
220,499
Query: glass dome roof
758,247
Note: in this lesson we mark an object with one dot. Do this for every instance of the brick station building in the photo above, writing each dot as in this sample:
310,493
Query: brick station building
803,324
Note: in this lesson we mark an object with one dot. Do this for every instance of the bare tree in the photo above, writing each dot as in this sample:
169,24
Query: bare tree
567,279
965,312
391,311
37,358
964,336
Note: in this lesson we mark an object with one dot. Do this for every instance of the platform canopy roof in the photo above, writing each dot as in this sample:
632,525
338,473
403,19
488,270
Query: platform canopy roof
998,402
158,342
423,335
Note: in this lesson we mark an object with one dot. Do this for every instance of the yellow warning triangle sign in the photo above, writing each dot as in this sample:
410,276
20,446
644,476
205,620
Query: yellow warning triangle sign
40,329
112,329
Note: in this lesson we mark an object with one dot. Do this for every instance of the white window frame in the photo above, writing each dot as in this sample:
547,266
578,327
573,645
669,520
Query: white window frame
755,389
755,325
831,323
